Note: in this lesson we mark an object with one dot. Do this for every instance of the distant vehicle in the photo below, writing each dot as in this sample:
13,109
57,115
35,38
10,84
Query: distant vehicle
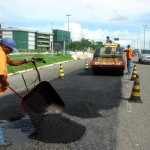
144,56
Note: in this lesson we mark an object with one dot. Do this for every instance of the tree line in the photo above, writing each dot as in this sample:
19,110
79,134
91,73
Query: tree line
84,44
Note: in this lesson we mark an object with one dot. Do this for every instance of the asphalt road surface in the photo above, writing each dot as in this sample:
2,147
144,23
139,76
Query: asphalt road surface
97,116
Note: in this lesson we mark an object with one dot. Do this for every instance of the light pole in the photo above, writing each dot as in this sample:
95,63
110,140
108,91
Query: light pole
138,40
1,22
68,15
145,26
149,37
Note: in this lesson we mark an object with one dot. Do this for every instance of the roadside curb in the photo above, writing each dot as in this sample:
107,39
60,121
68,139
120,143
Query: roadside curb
19,72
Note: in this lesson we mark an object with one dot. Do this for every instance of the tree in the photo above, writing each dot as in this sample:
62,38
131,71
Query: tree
76,45
99,44
84,44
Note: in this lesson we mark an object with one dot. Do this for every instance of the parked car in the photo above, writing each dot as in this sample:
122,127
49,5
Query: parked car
144,56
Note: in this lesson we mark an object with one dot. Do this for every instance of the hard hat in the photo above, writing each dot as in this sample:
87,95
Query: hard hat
10,43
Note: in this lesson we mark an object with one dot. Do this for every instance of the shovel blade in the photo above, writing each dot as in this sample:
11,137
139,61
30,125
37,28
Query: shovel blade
42,99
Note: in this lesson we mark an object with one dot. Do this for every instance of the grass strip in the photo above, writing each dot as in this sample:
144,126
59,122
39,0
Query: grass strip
47,57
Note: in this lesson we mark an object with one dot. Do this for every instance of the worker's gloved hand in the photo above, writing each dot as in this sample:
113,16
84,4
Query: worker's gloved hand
29,59
3,83
4,87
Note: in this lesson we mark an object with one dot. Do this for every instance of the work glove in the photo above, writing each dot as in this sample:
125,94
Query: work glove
3,87
29,59
40,60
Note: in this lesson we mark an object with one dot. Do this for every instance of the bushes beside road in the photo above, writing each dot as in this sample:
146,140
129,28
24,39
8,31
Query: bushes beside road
47,57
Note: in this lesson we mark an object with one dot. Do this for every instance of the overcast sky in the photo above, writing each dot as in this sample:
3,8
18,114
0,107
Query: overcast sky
91,19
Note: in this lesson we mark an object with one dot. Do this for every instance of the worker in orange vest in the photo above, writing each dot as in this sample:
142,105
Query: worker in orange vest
7,46
129,58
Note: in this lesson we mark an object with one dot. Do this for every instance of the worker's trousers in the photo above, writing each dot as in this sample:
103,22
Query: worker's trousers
1,136
128,65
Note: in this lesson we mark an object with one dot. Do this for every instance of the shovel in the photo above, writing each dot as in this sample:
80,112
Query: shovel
42,99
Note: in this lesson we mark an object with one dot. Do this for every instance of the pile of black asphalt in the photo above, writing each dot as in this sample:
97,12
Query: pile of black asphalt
53,128
85,96
50,128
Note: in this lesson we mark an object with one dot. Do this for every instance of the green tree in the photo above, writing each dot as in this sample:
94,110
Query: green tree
84,44
99,44
76,45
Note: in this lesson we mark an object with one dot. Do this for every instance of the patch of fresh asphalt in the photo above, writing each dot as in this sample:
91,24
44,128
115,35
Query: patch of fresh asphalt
89,120
92,104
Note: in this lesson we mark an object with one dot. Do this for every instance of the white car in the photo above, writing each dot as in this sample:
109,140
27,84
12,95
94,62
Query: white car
144,56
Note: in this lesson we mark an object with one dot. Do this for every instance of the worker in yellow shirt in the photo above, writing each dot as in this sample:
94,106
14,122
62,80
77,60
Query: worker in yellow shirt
7,46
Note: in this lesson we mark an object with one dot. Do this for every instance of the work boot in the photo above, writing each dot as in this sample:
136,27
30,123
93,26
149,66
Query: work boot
19,117
127,73
5,144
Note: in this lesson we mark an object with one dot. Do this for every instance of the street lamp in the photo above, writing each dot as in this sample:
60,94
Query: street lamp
149,39
138,40
68,15
1,22
145,26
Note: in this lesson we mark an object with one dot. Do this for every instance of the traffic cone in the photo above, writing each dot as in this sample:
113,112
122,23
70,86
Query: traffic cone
135,94
135,67
86,67
134,73
61,72
131,65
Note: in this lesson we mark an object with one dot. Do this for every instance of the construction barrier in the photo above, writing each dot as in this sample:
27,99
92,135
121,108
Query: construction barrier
134,73
135,94
61,72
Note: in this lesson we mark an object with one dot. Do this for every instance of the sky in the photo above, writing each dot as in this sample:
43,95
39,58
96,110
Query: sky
89,19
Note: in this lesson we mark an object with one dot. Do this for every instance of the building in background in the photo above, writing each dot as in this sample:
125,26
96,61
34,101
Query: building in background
28,39
43,41
60,38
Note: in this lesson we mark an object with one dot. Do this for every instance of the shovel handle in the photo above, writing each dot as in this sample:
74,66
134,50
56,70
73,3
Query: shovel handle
36,70
16,92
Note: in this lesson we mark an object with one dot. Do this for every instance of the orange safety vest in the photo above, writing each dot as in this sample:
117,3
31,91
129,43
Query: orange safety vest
4,59
129,53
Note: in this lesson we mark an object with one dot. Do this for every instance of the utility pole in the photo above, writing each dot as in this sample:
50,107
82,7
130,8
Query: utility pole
51,40
68,15
145,26
149,37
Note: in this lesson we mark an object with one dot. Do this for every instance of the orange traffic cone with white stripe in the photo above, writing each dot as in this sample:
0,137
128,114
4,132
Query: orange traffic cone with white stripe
134,73
135,94
61,72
